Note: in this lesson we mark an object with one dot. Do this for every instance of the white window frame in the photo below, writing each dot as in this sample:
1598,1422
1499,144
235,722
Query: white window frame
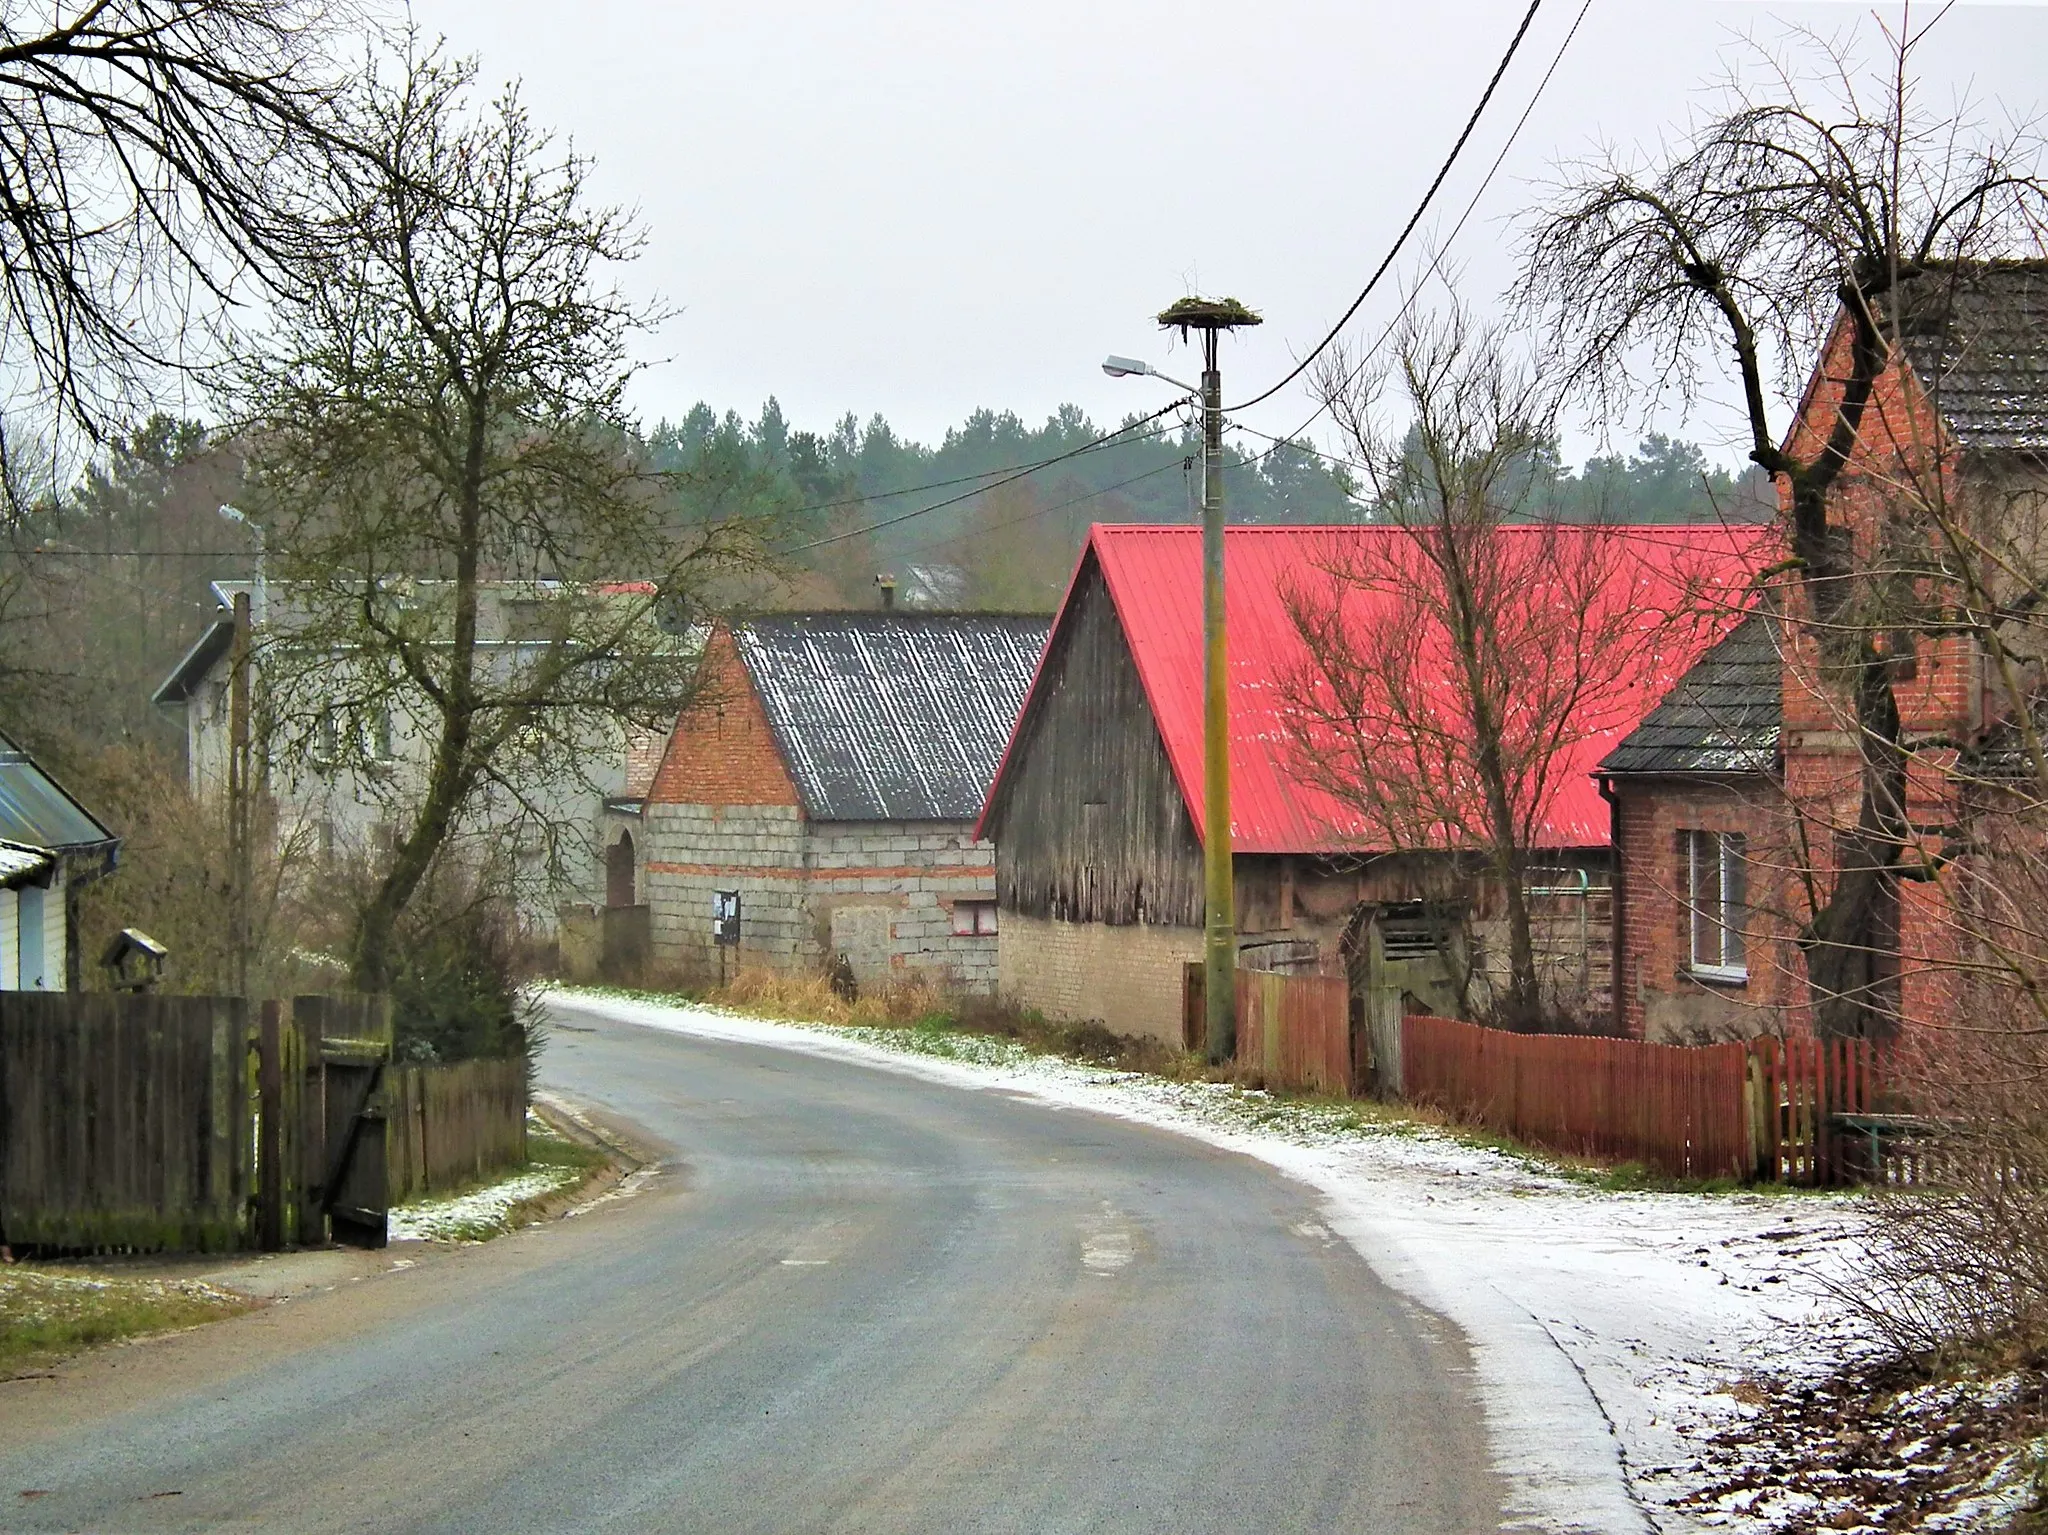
979,918
1716,905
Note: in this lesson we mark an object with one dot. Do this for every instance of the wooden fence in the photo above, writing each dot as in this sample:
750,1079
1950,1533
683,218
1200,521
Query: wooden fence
1795,1111
160,1123
124,1121
1682,1110
1293,1030
453,1126
1821,1114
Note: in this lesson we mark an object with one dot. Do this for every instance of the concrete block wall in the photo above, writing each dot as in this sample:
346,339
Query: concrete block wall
883,891
694,850
1127,978
909,875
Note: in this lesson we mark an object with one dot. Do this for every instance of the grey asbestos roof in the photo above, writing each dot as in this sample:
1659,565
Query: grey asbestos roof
37,814
1977,337
1722,716
892,716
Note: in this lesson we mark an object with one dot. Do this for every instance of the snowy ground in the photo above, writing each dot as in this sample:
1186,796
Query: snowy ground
482,1213
1614,1334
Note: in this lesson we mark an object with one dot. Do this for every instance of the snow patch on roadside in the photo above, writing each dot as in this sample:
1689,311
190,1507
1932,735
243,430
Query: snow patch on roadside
477,1216
1608,1330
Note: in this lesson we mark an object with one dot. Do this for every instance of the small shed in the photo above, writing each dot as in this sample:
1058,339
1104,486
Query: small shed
50,845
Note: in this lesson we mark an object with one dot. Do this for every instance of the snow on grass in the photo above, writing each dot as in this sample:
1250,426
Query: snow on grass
480,1215
47,1313
1612,1332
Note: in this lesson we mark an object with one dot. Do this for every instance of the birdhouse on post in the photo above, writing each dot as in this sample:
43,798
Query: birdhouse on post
136,959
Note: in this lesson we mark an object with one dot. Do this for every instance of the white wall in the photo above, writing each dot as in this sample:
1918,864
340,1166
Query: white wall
10,943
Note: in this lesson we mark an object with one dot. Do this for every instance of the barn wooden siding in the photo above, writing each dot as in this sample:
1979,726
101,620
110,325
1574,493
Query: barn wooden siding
1090,826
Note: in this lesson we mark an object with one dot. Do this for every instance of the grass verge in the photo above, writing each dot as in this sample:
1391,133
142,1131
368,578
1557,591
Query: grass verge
559,1166
47,1313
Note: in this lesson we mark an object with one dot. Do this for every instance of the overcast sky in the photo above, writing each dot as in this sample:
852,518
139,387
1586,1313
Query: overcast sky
920,208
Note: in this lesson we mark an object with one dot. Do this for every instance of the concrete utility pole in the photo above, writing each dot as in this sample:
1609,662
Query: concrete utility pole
1219,938
239,792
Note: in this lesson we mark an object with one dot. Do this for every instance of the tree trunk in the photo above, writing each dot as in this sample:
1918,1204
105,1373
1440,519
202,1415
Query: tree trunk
454,773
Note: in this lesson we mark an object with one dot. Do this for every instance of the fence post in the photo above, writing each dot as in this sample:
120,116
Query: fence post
270,1140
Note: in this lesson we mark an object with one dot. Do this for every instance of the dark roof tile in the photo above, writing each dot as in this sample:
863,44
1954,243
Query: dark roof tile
1723,716
1977,336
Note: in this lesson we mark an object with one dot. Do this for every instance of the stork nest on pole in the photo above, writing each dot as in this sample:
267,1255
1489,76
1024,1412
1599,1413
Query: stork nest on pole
1210,314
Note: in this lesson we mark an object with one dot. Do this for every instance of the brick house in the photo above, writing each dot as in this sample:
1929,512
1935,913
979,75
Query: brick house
829,778
1096,813
1730,790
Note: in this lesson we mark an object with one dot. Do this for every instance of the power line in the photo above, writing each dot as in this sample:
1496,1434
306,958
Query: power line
1047,511
1436,258
1415,218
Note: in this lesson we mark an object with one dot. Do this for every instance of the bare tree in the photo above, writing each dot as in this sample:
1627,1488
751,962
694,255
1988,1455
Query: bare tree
1790,227
439,445
151,157
1451,669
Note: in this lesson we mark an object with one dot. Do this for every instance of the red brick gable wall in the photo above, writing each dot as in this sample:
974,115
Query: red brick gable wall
1902,452
722,750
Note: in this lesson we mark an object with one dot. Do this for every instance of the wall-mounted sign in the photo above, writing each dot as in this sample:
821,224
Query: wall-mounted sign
725,918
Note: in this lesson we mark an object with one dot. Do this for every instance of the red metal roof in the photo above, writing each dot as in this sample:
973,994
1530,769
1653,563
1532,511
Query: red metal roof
1154,577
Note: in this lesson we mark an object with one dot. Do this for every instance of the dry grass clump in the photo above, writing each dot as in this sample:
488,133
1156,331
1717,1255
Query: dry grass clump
812,999
917,1002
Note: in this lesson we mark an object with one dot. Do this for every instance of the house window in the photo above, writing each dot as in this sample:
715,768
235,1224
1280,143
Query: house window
973,918
326,738
377,733
1717,904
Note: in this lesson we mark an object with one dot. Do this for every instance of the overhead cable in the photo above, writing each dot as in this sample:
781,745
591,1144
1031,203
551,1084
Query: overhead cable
1415,218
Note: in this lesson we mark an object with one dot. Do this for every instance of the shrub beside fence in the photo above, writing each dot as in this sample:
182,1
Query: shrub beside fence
452,1126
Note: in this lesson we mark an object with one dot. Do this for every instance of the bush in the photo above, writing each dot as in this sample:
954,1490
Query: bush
457,977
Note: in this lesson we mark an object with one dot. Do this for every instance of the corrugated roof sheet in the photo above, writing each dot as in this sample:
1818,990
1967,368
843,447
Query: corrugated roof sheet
891,716
21,865
36,813
1978,339
1724,716
1154,578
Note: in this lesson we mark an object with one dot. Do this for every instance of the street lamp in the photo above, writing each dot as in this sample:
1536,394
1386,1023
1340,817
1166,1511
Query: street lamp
1219,914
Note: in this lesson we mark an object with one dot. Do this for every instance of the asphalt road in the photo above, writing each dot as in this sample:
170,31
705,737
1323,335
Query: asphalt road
855,1301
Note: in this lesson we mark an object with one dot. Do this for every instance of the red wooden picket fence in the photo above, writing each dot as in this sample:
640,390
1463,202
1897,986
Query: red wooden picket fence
1783,1110
1681,1110
1823,1116
1800,1111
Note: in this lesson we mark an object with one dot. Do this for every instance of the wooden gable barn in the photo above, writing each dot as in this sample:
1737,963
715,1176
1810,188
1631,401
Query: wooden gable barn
1096,812
821,797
